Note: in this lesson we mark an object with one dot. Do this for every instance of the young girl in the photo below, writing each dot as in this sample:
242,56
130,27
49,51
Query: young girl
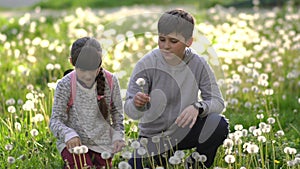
95,119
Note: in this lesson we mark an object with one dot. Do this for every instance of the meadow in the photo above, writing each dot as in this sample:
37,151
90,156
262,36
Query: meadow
254,52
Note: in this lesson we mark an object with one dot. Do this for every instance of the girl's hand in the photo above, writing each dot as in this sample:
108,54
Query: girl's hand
118,145
140,99
73,142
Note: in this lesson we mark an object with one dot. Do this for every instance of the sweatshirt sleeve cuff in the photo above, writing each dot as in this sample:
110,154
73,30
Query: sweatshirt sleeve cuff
70,135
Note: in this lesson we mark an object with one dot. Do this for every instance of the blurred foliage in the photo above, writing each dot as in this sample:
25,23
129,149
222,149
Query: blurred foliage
64,4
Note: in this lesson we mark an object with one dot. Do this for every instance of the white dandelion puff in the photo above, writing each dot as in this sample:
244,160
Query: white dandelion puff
141,82
261,139
11,109
34,132
155,139
229,159
144,141
124,165
18,126
105,155
11,160
85,149
126,155
228,143
9,147
180,154
135,144
174,160
141,151
252,149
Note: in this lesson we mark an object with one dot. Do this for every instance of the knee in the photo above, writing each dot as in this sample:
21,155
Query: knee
224,125
215,131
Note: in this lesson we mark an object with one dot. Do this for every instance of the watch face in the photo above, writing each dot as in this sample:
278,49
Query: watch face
197,104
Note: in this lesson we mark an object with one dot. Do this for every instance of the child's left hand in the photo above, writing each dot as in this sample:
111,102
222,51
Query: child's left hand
118,145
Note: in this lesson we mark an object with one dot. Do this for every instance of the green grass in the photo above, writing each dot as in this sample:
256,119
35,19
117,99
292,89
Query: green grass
30,45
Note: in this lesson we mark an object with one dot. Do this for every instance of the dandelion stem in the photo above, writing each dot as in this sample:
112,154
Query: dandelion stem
80,160
75,162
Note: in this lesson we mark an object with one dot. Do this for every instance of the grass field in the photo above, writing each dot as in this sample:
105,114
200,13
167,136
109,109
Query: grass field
257,65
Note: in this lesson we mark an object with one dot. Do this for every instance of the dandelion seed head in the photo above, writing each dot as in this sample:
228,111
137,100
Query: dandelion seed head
11,109
195,155
9,147
34,132
279,133
262,125
135,144
126,155
159,167
244,132
229,159
123,165
105,155
297,160
174,160
144,141
38,118
155,139
141,82
266,129
252,128
291,163
141,151
252,149
10,101
257,132
228,143
238,127
260,116
180,154
289,150
261,139
11,160
49,66
77,150
18,126
85,149
271,120
203,158
238,133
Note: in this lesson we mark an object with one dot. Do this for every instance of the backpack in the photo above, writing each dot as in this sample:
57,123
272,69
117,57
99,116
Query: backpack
73,87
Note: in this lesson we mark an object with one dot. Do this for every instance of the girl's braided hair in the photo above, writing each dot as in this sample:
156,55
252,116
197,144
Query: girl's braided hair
100,79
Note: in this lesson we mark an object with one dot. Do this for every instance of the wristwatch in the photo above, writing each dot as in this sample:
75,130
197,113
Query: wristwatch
199,107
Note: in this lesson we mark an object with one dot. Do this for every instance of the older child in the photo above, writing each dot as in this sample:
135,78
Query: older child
95,119
174,74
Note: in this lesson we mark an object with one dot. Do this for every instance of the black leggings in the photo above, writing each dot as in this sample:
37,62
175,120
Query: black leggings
207,146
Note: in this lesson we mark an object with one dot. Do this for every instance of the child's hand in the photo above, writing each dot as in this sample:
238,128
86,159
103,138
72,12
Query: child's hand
140,99
188,116
73,142
118,145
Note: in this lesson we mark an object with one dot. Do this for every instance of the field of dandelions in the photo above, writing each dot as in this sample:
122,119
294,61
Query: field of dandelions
254,52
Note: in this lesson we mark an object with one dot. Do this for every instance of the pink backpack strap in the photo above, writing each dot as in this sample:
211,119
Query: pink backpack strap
73,90
109,77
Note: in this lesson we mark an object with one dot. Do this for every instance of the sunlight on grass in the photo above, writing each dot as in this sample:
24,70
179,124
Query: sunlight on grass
255,55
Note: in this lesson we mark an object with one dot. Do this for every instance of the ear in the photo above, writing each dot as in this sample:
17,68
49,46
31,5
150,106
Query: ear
70,60
189,42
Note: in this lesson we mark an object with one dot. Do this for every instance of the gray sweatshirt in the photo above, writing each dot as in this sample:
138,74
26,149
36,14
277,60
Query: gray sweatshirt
85,119
172,89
